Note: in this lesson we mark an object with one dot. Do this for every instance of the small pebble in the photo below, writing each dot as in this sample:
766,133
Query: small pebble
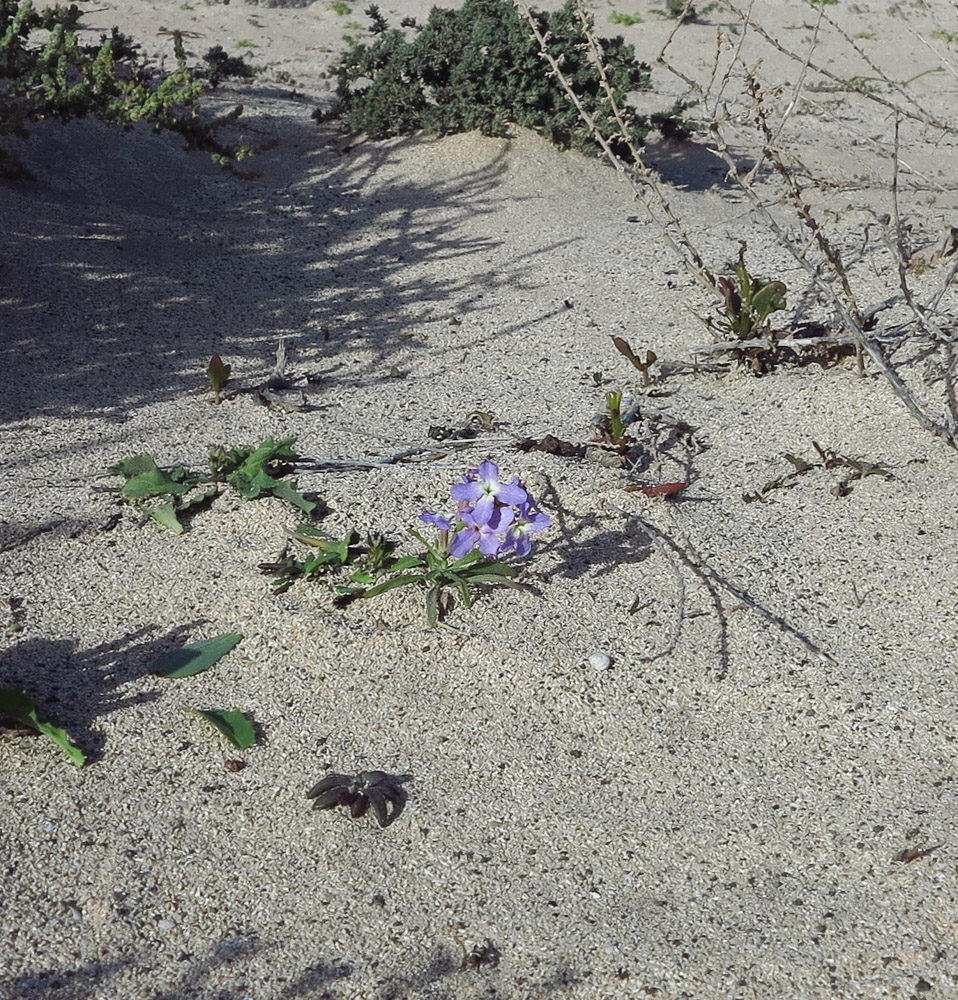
600,661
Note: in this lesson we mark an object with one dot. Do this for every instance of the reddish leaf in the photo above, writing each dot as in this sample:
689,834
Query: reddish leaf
663,489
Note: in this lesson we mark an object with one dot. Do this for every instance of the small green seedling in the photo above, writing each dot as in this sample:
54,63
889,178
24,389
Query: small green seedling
370,559
627,19
16,704
945,36
246,44
613,403
165,495
749,303
218,373
235,726
195,657
338,7
623,347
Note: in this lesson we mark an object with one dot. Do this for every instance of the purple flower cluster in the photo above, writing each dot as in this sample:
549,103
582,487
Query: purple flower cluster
495,517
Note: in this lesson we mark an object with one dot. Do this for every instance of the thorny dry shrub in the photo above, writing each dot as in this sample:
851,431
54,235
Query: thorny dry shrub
754,127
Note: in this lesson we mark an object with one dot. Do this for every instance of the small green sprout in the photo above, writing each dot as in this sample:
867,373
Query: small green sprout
338,7
245,43
945,36
613,403
750,303
624,348
627,19
218,372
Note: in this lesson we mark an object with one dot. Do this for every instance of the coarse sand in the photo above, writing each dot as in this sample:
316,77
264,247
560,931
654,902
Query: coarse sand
753,799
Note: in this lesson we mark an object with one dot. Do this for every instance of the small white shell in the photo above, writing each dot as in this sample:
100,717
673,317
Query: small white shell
600,661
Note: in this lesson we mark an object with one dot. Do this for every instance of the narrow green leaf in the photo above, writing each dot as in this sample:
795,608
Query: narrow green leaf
432,605
466,560
18,705
506,580
407,562
235,726
195,657
800,464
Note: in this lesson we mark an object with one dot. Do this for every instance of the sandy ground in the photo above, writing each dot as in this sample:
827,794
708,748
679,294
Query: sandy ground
719,813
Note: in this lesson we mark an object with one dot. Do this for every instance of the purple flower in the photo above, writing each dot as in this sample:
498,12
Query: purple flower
487,536
483,489
431,517
529,521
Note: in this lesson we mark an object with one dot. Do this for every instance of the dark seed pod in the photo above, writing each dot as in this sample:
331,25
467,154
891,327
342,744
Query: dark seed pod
329,782
330,798
359,806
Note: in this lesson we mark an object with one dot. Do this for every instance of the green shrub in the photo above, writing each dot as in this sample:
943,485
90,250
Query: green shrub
480,67
55,76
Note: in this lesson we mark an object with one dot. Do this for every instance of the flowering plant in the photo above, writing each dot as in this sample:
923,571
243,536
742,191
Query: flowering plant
495,519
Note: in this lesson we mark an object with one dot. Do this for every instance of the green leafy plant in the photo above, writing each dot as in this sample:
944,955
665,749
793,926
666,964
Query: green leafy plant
748,303
194,658
479,68
47,73
16,704
494,519
168,494
627,19
945,36
235,726
338,7
220,66
254,471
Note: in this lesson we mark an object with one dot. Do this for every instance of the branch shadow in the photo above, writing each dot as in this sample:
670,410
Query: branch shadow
74,688
118,301
437,976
